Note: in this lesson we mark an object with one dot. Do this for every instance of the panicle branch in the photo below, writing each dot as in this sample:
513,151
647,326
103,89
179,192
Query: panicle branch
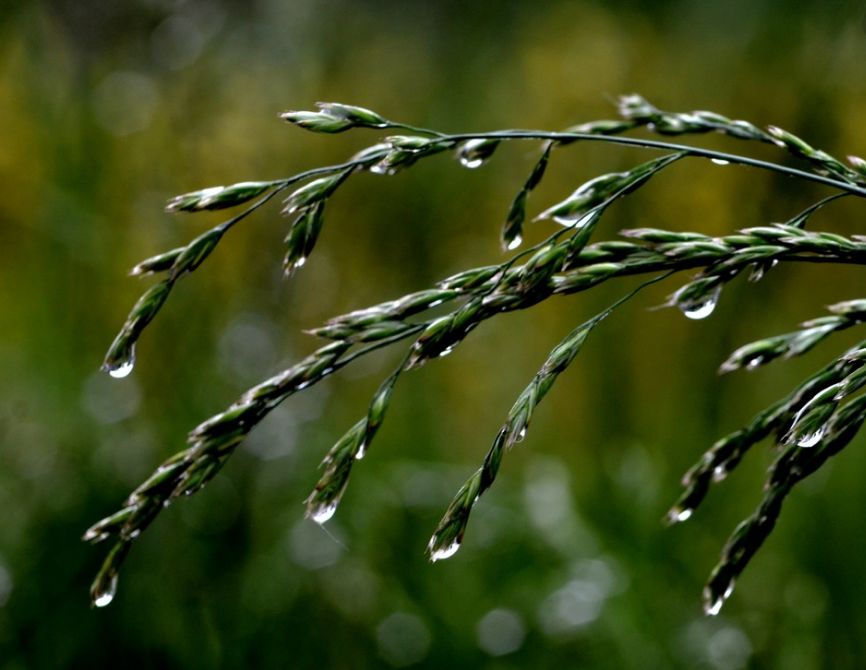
814,422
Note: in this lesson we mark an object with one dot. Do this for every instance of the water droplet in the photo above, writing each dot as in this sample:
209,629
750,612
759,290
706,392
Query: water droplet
322,513
520,435
714,606
122,369
703,308
471,163
446,351
720,161
416,360
514,243
94,536
577,221
758,270
474,153
383,168
755,363
445,552
106,594
299,262
362,451
810,439
679,514
719,473
756,274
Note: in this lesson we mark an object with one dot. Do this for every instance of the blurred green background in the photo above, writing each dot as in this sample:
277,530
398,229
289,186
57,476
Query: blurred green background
108,109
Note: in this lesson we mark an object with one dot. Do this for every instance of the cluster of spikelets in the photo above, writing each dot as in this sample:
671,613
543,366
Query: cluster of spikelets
818,418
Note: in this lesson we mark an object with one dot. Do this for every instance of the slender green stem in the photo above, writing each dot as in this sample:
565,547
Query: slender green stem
225,225
416,328
631,294
686,149
811,209
414,129
658,144
329,169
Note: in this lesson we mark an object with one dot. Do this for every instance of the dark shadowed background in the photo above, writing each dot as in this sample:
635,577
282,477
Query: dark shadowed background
108,109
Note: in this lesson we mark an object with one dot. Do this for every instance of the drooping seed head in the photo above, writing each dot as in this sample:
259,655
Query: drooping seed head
218,197
196,251
325,497
358,116
302,237
159,263
314,191
104,586
318,122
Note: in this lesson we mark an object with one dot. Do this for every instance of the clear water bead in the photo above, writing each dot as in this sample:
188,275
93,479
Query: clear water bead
104,597
445,552
322,513
680,514
714,606
362,451
471,163
468,156
122,370
576,221
701,311
703,308
811,439
755,363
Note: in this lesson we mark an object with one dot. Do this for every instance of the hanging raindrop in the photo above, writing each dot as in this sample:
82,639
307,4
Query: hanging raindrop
474,153
701,309
445,552
679,514
362,451
577,221
323,512
810,439
122,368
106,593
713,604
